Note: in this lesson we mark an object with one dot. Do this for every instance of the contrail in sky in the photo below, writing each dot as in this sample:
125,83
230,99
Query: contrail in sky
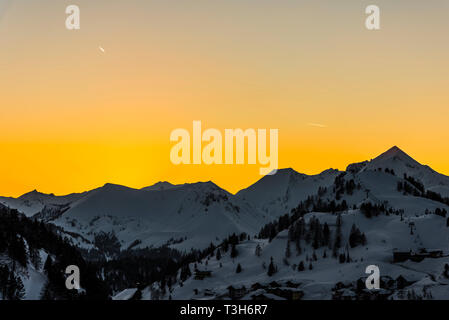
319,125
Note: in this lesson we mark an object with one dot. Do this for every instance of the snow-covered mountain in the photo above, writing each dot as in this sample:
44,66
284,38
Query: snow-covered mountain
34,202
402,163
324,276
279,193
386,200
187,216
397,203
161,185
193,215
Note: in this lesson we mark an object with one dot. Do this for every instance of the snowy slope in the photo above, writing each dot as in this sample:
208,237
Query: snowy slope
277,194
379,187
383,233
33,202
33,278
193,215
402,163
200,212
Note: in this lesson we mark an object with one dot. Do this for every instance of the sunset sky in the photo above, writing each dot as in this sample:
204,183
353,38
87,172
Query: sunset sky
74,117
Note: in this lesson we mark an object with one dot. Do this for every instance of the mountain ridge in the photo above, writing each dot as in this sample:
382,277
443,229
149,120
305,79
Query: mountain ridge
393,153
203,211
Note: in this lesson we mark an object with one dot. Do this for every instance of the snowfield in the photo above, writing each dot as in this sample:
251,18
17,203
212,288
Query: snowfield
383,235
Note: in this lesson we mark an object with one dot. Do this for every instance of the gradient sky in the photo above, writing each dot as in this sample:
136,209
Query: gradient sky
74,117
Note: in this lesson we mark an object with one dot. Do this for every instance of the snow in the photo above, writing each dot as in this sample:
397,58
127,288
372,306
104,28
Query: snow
125,294
383,234
201,212
34,283
194,215
279,193
33,202
162,212
33,279
402,163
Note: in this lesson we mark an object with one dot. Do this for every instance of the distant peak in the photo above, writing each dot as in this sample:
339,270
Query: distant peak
109,185
113,186
163,183
286,171
395,152
161,186
329,171
203,184
33,193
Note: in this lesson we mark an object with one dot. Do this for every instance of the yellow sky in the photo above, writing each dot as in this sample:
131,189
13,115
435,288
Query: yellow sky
74,117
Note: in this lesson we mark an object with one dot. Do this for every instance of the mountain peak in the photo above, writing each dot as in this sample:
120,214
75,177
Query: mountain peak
393,158
160,186
35,194
395,153
113,187
286,171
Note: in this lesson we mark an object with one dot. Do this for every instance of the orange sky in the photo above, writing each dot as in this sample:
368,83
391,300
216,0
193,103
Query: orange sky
73,117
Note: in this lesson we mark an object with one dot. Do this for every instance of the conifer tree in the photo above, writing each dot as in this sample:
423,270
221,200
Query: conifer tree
287,250
258,250
234,252
239,268
271,268
218,254
298,247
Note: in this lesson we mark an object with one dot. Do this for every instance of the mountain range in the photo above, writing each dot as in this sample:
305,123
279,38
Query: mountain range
194,215
287,235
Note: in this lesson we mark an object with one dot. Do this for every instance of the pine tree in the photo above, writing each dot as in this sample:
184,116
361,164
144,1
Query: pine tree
287,250
16,250
234,252
258,250
326,234
239,268
169,283
318,235
218,254
298,247
446,271
185,272
301,266
338,237
16,290
48,264
225,245
271,268
35,257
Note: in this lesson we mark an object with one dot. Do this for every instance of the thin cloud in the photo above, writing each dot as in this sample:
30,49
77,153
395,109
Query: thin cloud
318,125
